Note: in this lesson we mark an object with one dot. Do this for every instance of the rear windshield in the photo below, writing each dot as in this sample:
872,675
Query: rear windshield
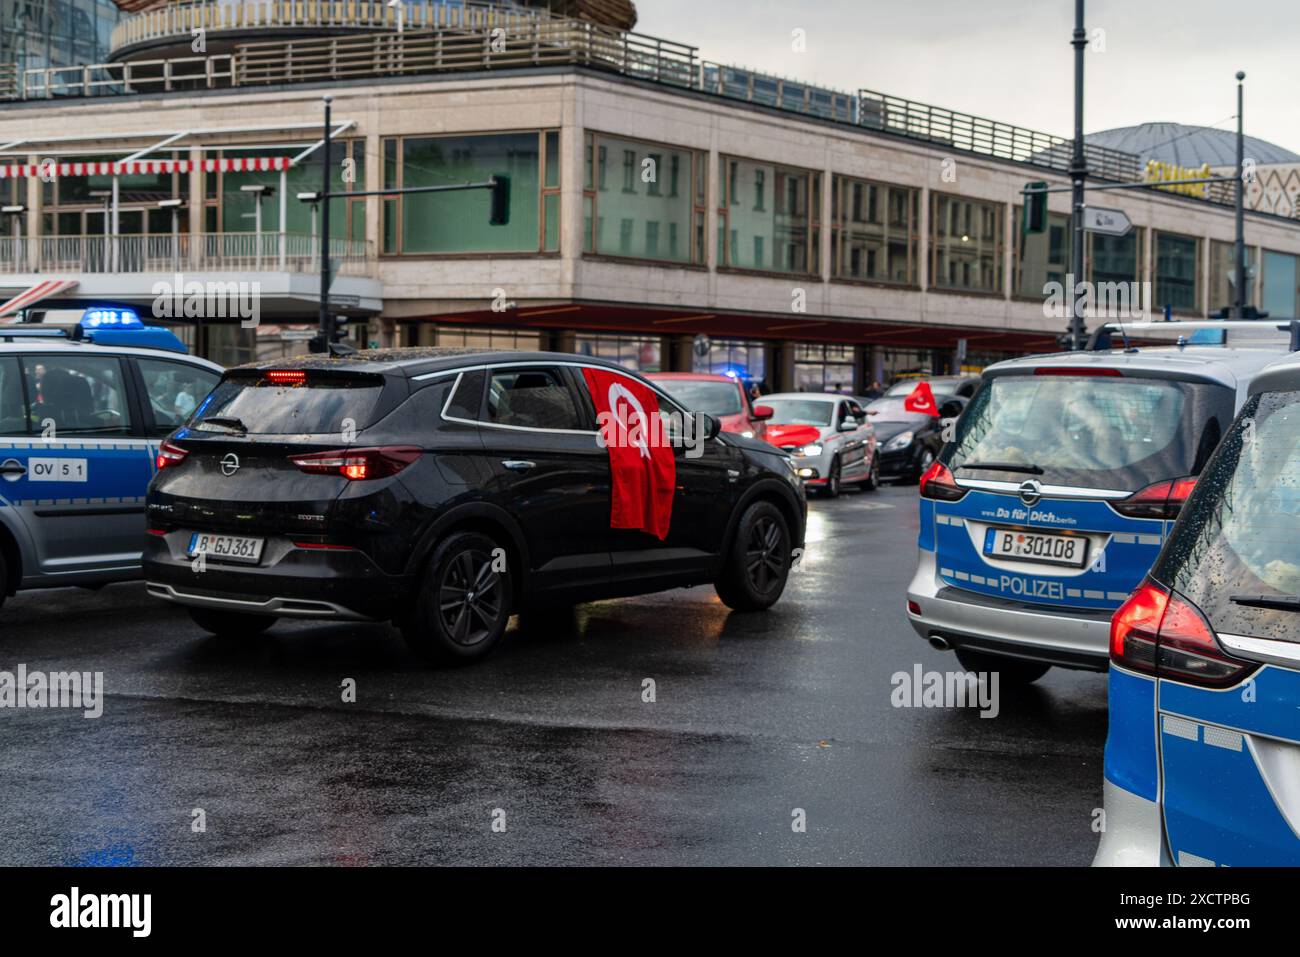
894,410
1103,432
318,404
715,398
1240,535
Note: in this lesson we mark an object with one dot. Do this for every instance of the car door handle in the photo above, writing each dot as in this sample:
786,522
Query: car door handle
518,465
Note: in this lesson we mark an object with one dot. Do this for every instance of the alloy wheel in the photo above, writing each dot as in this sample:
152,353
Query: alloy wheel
764,561
469,598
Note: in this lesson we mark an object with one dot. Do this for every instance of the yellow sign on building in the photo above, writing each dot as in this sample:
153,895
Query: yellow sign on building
1158,172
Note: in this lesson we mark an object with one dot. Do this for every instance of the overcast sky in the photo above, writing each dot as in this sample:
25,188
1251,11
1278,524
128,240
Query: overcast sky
1010,60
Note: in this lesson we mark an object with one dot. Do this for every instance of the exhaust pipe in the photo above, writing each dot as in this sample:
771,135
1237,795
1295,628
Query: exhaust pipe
939,643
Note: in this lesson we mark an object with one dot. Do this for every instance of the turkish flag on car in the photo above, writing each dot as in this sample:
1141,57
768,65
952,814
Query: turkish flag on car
921,400
641,462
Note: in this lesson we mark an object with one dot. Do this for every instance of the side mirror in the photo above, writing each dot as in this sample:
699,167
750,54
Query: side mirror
849,424
763,412
711,426
950,409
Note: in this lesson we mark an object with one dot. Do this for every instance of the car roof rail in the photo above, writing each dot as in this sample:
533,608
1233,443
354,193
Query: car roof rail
13,333
1100,340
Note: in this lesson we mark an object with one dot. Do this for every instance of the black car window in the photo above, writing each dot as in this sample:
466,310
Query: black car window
13,421
467,400
1240,532
174,390
531,399
76,394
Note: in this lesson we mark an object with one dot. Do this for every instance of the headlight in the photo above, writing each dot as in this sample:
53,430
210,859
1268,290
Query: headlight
901,441
809,450
747,435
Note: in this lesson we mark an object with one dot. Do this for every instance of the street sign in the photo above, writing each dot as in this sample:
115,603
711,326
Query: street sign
1108,222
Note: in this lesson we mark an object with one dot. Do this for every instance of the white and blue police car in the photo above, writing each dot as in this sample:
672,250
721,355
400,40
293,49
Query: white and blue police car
1064,478
1203,756
82,412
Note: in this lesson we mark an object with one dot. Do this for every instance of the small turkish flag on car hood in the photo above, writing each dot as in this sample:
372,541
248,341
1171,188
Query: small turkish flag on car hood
643,469
921,400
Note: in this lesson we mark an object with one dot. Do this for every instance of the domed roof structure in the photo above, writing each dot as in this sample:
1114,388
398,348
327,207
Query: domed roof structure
1189,146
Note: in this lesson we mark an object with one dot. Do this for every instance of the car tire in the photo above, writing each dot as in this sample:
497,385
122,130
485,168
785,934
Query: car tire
833,476
872,482
230,624
758,563
463,605
1012,671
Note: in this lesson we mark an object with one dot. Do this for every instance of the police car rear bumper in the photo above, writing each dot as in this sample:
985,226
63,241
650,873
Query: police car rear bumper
1133,835
1070,638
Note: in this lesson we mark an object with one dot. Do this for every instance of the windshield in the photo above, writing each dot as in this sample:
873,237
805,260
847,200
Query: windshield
800,412
249,403
1089,431
892,410
940,387
1241,532
715,398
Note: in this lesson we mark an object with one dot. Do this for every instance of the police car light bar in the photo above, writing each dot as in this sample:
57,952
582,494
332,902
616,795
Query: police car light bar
1180,326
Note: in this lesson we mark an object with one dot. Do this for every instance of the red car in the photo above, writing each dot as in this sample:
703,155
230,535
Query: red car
720,396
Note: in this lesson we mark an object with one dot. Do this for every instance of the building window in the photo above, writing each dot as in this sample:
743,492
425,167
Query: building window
238,208
966,244
1281,285
638,353
780,237
457,222
819,368
1116,258
1041,258
644,217
1177,277
875,230
1223,276
743,359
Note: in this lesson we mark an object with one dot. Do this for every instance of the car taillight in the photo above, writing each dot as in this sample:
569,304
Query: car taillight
170,454
938,483
1159,632
1083,371
286,376
357,465
1161,500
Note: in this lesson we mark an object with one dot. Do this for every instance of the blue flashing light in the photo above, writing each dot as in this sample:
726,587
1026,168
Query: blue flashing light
114,318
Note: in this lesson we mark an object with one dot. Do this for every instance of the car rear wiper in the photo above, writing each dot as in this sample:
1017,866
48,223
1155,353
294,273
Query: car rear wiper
1002,467
1278,602
225,422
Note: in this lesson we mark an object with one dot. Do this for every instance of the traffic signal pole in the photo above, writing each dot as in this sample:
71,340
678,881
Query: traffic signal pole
1078,173
1239,247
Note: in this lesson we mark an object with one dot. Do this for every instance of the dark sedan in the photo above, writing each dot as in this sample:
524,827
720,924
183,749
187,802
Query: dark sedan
908,441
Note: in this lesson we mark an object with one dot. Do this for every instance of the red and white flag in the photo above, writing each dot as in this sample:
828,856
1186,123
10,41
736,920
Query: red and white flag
921,400
642,466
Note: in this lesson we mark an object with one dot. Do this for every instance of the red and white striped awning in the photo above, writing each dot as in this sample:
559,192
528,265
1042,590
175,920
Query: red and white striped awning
42,290
229,164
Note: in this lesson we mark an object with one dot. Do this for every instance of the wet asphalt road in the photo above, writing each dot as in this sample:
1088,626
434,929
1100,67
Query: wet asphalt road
754,717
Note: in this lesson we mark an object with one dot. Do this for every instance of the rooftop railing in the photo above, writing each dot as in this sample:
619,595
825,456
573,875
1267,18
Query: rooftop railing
180,20
487,37
163,253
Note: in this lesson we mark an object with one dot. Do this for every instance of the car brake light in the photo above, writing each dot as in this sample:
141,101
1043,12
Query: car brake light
1161,633
170,454
1084,370
1161,500
286,376
358,464
938,483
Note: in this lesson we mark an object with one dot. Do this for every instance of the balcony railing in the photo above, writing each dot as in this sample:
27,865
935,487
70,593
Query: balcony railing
187,252
180,20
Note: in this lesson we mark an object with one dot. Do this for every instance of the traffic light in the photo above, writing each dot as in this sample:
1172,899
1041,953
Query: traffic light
1035,220
500,201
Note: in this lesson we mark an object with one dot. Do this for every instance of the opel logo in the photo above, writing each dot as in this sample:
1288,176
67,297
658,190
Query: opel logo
1031,492
229,463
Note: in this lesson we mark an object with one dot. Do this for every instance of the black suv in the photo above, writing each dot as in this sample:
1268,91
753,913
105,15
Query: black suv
443,490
